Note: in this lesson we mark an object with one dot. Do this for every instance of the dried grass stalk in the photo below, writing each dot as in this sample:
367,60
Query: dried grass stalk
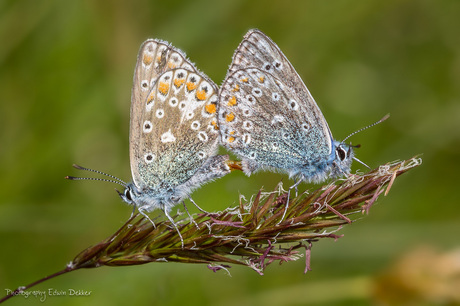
249,234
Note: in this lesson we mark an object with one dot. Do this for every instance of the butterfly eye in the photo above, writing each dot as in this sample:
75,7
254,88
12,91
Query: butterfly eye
341,153
128,194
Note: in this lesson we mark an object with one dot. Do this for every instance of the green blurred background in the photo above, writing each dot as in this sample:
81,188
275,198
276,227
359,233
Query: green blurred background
66,71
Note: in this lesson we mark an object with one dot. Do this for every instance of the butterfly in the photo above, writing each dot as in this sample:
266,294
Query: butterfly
270,120
174,134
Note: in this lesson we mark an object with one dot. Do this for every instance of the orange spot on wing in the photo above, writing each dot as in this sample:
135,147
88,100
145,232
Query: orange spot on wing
214,124
210,108
178,82
236,88
191,86
171,65
232,101
163,87
150,98
147,59
244,80
232,133
201,95
158,58
230,139
230,117
261,79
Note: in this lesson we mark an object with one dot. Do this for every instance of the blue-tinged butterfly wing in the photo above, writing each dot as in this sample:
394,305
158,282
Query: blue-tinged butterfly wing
266,113
179,135
173,135
263,134
155,57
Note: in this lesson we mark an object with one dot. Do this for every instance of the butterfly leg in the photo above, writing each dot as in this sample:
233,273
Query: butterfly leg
141,211
190,216
199,208
175,226
134,210
287,200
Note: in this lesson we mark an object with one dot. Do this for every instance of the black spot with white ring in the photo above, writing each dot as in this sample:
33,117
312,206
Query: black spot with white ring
257,92
203,136
160,113
173,102
201,154
149,157
145,85
246,138
147,128
251,99
305,126
195,125
268,67
189,115
247,112
294,105
247,125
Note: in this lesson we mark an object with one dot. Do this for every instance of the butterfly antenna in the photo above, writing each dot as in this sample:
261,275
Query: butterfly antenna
366,127
115,180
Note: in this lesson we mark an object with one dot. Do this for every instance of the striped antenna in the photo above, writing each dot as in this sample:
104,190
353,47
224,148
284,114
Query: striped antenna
366,127
115,180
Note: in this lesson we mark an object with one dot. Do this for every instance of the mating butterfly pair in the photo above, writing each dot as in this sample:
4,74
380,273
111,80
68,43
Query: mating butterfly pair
263,112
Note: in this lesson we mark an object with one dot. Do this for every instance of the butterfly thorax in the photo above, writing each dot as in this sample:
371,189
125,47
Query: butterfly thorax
318,170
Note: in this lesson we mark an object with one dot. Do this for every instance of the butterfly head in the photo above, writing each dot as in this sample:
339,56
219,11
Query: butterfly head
150,199
128,194
342,158
344,153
